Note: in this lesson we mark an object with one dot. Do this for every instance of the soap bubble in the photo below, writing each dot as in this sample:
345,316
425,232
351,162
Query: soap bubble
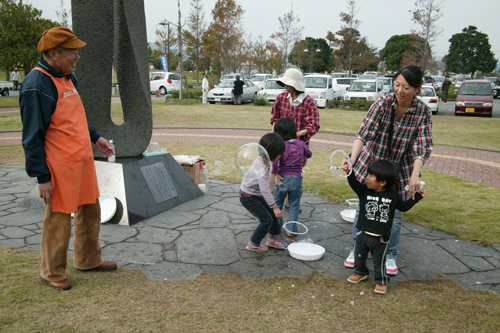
246,163
336,163
218,167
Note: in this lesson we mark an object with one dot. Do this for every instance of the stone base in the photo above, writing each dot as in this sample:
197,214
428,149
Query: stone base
125,181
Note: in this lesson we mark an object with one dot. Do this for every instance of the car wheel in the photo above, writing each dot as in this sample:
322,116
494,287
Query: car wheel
5,92
163,90
211,102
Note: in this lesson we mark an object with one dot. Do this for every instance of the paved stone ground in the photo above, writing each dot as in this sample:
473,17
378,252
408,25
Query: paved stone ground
209,235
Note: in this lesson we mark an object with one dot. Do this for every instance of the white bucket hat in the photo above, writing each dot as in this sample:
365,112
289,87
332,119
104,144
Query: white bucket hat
293,77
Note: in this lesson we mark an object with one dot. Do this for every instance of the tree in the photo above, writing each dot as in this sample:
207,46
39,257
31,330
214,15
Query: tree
469,51
425,14
194,34
289,33
350,45
63,16
166,42
20,29
395,47
259,54
223,38
319,59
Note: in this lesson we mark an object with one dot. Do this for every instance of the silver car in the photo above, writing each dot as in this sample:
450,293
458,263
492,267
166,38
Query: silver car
271,90
223,92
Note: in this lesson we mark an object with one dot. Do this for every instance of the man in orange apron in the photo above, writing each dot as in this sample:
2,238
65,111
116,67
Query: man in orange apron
57,145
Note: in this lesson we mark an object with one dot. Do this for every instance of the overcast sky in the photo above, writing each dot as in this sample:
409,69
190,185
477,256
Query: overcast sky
379,19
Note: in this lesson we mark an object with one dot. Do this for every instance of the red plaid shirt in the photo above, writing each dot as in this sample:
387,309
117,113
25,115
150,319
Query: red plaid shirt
411,139
305,115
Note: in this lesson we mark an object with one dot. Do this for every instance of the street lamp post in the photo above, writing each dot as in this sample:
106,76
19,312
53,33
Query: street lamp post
168,39
312,46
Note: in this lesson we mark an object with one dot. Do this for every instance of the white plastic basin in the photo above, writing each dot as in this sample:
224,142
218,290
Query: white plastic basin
306,251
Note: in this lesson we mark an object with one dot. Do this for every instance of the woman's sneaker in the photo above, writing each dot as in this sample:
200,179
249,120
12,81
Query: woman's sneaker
349,262
390,267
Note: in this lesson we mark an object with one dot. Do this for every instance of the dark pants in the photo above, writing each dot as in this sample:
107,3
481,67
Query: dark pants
445,95
15,84
378,247
237,99
259,208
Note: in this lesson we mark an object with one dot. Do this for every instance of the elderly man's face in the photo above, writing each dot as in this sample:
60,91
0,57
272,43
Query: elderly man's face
65,61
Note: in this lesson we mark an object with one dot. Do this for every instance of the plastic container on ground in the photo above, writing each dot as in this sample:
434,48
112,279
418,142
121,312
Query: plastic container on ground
113,157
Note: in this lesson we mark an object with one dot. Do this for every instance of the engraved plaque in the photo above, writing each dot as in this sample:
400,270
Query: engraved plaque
159,182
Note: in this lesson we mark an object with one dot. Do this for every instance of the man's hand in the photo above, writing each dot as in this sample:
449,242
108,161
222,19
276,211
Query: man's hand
46,190
104,147
277,212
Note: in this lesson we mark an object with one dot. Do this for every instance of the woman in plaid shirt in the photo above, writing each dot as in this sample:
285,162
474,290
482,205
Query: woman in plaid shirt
411,146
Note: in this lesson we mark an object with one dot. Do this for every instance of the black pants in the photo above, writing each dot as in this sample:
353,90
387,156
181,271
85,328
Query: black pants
445,95
378,247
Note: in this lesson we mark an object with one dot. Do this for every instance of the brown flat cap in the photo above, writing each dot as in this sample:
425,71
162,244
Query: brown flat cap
59,37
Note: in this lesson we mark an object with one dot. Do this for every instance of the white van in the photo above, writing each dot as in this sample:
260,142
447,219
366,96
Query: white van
368,89
319,87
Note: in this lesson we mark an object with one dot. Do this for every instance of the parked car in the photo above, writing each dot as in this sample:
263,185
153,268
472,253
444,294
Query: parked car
429,96
388,84
232,76
260,79
271,90
164,82
369,89
438,81
496,88
460,79
342,85
337,75
428,80
474,98
319,87
372,73
5,86
367,76
492,80
223,92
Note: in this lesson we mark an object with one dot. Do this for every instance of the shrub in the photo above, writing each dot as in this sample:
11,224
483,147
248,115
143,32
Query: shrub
260,100
193,93
354,105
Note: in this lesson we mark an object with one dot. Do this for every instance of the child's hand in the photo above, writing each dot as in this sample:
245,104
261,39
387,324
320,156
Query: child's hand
277,212
345,166
422,192
278,179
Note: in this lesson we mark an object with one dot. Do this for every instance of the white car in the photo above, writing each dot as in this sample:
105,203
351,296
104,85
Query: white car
260,79
337,75
342,85
319,87
369,89
271,90
164,82
429,96
223,92
388,84
232,76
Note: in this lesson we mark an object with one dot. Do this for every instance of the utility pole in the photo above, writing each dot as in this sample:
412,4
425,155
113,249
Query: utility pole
179,32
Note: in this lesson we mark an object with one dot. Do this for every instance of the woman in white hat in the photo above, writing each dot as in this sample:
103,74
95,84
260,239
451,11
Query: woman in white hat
295,103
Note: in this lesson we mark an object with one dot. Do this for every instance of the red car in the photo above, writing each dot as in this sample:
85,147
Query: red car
474,98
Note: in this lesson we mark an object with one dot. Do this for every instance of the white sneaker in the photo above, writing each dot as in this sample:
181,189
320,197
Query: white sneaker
390,267
349,262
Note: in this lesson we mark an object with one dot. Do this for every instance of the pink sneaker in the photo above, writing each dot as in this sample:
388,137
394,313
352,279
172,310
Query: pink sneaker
390,267
349,262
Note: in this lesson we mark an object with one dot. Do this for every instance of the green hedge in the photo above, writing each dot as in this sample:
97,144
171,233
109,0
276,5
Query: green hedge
193,93
260,101
354,105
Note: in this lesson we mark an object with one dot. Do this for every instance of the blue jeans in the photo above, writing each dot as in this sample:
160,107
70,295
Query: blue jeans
259,208
292,185
392,253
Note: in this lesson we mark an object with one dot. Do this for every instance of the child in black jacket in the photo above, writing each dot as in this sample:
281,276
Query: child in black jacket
377,205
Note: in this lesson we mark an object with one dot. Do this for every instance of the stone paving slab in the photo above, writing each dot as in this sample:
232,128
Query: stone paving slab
209,234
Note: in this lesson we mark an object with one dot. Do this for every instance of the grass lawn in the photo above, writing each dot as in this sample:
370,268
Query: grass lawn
127,301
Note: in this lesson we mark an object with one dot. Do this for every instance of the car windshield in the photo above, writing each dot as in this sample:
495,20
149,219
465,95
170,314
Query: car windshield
273,84
386,81
225,84
426,91
438,78
482,89
363,86
227,77
257,78
367,76
315,82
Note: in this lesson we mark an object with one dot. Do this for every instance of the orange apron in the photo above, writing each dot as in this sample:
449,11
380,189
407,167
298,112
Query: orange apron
69,152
